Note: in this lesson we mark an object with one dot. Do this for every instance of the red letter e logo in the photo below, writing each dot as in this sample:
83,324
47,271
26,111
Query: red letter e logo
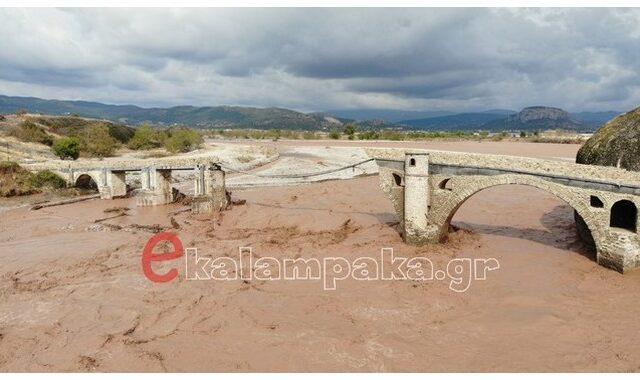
148,256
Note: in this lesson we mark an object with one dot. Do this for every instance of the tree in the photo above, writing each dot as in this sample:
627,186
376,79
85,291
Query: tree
334,134
67,147
182,140
145,138
97,141
350,130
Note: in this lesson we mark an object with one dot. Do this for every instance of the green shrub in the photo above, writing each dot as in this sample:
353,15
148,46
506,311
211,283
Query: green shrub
350,130
67,147
97,142
31,132
369,135
48,179
145,138
334,134
182,140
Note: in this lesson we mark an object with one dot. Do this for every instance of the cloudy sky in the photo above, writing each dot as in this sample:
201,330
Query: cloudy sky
319,59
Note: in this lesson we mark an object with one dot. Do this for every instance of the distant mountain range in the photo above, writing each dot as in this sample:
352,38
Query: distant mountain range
391,116
200,117
530,118
396,116
461,121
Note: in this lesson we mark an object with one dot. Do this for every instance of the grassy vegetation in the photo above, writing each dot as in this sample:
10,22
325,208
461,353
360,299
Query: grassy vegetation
15,180
174,140
95,141
92,138
46,179
75,126
145,138
181,139
29,131
72,137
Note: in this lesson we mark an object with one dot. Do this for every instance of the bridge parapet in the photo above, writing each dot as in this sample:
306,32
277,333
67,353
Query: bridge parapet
523,165
122,164
606,199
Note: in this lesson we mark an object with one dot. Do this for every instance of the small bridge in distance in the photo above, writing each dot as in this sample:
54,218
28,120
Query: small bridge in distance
156,182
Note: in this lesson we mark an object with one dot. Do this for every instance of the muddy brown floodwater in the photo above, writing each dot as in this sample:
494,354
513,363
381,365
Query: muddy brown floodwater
73,296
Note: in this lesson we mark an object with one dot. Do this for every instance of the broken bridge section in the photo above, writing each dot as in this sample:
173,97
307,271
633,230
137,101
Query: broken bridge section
210,194
426,189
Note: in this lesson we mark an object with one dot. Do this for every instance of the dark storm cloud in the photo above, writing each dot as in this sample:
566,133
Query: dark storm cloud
326,58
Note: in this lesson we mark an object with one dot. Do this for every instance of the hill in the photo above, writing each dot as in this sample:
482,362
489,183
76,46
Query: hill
537,118
201,117
595,119
390,116
57,126
530,118
462,121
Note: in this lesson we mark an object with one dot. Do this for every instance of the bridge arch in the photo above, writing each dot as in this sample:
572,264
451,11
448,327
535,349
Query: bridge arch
443,212
86,181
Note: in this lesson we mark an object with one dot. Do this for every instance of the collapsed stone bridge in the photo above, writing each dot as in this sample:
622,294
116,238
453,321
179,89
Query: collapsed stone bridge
156,189
427,188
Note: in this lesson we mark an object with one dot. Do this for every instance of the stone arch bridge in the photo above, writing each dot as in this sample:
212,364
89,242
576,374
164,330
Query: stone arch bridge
156,189
427,188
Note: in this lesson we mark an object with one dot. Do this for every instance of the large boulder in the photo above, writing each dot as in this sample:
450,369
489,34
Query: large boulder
617,143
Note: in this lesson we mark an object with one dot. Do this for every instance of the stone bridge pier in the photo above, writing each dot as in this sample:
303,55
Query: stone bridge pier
156,187
427,188
210,190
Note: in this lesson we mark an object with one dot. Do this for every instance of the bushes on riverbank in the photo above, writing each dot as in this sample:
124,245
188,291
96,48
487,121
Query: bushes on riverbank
16,180
174,140
72,137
